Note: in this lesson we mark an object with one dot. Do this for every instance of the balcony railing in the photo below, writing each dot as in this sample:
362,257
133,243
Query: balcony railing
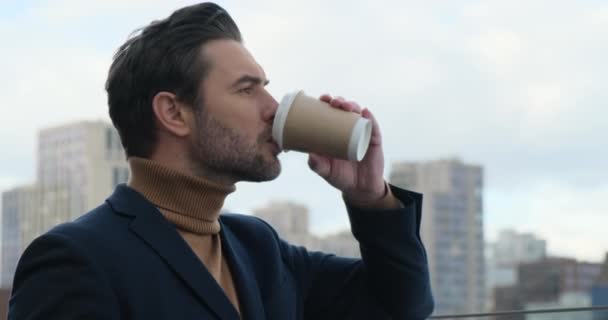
500,315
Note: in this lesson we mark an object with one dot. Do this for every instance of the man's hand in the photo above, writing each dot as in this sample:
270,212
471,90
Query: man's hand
362,183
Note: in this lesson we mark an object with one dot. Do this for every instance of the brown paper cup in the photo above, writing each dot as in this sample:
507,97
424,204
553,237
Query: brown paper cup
303,123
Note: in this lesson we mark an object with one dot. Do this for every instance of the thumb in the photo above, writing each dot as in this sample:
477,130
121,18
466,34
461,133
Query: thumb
319,164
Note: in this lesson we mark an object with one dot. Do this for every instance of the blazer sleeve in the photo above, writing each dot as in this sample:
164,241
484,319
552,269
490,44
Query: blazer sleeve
391,281
57,279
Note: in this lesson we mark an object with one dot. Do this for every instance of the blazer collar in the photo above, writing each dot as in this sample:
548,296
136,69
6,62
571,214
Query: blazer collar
243,275
150,225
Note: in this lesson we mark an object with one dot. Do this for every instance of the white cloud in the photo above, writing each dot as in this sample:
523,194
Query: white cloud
45,89
500,50
598,17
57,11
572,220
7,182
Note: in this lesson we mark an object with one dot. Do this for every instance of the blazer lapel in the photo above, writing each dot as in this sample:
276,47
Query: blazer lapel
242,273
161,236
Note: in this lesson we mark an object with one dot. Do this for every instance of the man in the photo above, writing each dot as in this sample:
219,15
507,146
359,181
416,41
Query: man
189,103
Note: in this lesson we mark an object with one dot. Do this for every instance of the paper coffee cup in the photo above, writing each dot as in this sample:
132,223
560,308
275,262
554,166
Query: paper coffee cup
306,124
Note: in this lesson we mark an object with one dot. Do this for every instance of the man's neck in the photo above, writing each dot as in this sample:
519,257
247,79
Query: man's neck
180,162
190,202
213,176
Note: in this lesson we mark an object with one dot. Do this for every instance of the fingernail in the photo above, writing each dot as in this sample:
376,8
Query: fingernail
312,164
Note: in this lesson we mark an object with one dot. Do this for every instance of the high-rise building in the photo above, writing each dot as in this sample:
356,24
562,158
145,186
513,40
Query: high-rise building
78,166
5,295
512,248
547,280
508,298
342,244
565,300
290,220
552,282
504,255
599,292
452,229
80,163
19,217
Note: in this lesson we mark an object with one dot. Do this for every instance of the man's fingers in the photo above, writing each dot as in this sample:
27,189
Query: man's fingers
325,97
355,107
319,164
341,103
337,102
376,134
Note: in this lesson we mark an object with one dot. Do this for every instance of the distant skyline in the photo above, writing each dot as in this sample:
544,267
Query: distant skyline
512,85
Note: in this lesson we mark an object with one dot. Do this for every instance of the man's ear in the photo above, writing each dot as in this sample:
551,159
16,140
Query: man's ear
172,115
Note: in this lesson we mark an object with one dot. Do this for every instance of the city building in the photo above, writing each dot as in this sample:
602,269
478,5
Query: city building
5,294
78,166
507,298
504,255
291,222
512,248
565,300
342,244
553,282
547,280
599,292
452,229
19,217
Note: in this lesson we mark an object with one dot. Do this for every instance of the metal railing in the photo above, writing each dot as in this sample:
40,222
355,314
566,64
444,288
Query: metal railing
519,312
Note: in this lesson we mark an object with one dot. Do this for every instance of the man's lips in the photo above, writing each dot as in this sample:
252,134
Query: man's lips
274,144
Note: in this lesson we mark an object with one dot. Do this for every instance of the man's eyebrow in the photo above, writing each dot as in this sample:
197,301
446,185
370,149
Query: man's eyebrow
249,79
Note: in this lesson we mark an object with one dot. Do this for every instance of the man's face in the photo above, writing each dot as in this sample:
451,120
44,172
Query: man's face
233,133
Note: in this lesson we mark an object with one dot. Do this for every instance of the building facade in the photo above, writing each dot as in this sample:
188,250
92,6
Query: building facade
599,292
19,217
510,249
79,165
291,221
452,229
342,244
565,300
547,280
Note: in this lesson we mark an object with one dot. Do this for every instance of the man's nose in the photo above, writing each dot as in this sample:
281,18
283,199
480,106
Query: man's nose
271,109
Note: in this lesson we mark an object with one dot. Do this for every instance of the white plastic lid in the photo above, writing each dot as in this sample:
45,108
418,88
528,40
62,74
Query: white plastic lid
281,116
360,139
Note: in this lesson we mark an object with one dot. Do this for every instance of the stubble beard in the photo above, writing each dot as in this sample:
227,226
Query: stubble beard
223,151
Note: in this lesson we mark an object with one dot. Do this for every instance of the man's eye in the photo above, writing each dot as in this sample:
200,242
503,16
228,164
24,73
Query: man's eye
246,90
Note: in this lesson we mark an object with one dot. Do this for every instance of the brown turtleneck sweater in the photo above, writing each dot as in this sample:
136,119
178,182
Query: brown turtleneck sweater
193,205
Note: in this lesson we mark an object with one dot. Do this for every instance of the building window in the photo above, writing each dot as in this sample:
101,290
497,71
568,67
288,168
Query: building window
109,139
125,175
115,176
119,175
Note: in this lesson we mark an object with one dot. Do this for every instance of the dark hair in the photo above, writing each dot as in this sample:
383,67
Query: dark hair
164,56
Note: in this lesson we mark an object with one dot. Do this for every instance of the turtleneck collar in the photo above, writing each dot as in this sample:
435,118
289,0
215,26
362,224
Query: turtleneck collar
191,203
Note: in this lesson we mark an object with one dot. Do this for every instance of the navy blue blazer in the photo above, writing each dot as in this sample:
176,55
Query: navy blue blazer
124,260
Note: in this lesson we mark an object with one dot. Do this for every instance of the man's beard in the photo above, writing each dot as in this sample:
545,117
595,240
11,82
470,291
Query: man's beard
223,151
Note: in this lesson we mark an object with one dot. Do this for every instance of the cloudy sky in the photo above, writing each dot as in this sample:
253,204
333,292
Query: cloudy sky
516,86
